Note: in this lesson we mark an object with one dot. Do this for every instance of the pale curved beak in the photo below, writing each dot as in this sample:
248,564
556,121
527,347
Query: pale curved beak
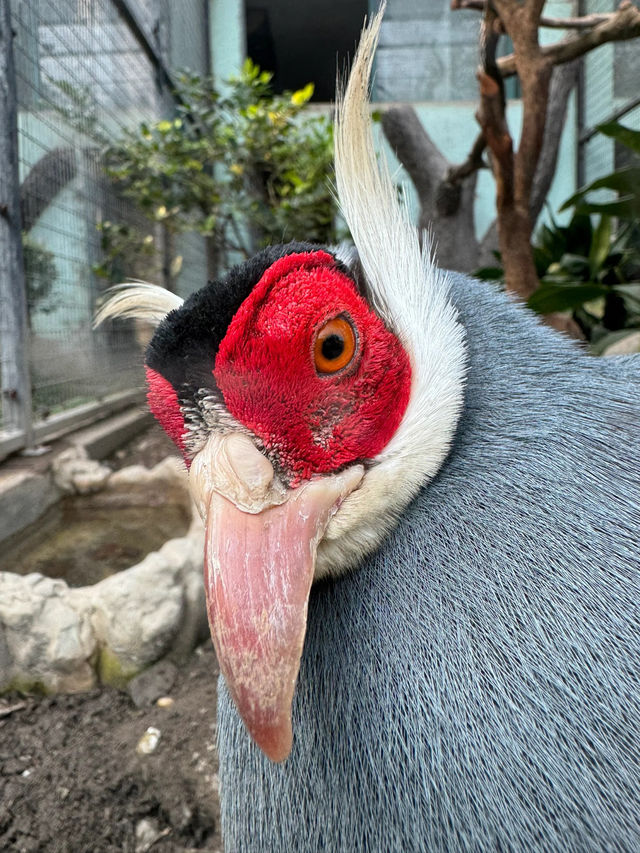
260,553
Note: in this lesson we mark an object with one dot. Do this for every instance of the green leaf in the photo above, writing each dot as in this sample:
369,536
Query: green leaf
625,207
600,245
489,273
574,266
630,293
302,95
596,307
554,296
625,135
625,180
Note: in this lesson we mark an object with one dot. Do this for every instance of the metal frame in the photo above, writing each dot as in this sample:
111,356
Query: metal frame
64,422
20,432
16,383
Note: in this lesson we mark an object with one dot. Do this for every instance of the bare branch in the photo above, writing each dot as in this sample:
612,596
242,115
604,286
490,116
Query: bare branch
620,25
578,23
563,81
491,119
446,207
415,149
474,161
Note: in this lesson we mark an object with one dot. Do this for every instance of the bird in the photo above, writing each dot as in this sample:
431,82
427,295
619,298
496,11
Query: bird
422,566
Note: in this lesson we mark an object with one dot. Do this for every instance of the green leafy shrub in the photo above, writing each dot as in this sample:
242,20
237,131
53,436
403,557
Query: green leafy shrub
126,252
244,166
591,266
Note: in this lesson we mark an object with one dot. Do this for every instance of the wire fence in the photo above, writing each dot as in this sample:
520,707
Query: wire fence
610,91
85,71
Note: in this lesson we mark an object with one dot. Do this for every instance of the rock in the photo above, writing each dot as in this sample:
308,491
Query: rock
152,684
168,472
24,497
148,743
74,472
137,613
147,833
45,641
54,638
627,345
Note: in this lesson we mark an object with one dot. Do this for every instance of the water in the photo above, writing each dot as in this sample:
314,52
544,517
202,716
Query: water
84,539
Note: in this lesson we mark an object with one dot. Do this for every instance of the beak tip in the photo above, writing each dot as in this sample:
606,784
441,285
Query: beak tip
275,741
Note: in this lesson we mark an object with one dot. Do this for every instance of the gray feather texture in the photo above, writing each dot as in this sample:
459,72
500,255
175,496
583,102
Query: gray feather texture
475,684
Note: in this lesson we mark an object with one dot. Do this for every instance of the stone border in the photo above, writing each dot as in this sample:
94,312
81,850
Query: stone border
57,639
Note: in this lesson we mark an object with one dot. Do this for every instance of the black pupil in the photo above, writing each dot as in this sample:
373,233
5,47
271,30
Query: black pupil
332,347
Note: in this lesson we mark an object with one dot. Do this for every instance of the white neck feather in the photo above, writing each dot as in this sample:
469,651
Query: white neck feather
411,295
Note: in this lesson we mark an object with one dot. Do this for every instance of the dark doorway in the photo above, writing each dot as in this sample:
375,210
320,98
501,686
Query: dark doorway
304,42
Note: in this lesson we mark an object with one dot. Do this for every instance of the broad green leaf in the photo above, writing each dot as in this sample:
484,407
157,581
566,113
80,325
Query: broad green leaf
553,296
606,341
600,245
596,307
578,234
573,265
625,207
625,135
625,180
630,292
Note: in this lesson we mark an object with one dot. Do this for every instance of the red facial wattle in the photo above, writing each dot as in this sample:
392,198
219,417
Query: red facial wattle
314,422
165,407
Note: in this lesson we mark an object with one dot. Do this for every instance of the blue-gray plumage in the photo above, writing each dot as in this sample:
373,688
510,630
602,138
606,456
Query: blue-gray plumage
470,677
475,684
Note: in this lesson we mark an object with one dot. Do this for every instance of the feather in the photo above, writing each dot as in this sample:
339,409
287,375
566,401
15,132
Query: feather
137,300
412,296
475,684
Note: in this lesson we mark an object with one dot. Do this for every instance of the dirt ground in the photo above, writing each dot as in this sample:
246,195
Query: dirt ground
74,777
74,780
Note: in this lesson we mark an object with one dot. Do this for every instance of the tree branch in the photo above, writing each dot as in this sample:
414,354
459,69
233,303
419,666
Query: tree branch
491,119
446,206
415,150
619,26
44,181
578,23
474,161
563,81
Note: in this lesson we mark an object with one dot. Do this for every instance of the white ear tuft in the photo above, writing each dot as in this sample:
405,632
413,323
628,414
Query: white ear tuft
411,294
138,300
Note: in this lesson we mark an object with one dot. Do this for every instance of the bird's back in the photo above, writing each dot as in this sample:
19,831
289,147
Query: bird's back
475,684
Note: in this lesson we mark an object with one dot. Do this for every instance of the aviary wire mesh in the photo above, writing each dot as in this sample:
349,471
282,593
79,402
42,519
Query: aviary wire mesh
83,77
611,87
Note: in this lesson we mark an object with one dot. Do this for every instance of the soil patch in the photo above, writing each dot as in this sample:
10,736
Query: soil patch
73,778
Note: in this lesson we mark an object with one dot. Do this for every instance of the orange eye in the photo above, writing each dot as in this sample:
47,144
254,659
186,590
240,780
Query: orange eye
335,345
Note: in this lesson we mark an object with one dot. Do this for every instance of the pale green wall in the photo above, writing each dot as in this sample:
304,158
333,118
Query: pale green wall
226,37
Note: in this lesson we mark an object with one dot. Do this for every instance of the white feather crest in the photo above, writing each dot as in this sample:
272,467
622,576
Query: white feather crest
137,300
411,295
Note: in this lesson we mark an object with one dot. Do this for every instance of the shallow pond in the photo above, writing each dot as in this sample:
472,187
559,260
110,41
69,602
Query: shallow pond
84,539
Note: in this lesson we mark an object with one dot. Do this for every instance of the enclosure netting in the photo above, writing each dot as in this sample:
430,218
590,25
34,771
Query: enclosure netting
84,75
